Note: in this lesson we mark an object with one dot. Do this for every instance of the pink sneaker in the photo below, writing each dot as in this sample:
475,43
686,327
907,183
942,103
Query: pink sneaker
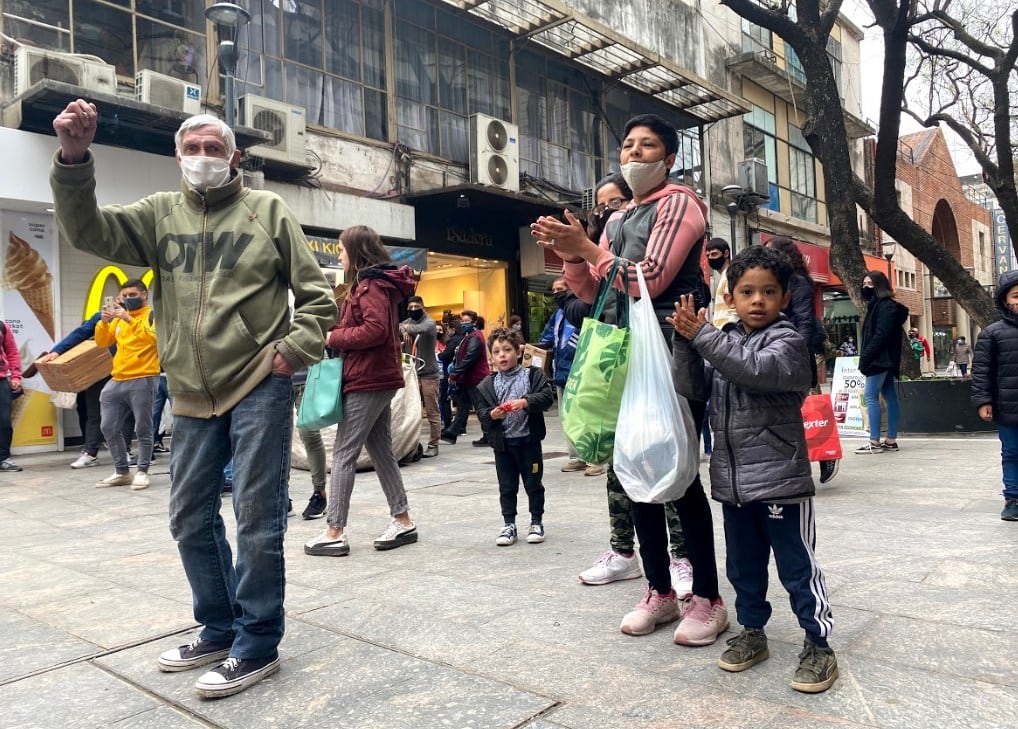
702,622
653,610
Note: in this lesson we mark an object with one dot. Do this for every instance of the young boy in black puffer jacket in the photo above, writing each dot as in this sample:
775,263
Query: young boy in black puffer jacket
995,384
510,404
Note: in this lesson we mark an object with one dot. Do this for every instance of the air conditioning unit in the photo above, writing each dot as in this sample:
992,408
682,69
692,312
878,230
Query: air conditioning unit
166,91
753,177
32,65
286,125
494,152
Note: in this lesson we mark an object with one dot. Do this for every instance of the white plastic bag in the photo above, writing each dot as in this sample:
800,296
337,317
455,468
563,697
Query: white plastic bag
64,400
656,450
952,369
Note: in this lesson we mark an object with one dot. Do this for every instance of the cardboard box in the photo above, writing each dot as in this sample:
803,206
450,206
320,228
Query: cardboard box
534,355
77,368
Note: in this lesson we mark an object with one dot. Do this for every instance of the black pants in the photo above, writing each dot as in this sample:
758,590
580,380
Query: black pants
463,403
752,532
6,427
522,461
89,416
697,527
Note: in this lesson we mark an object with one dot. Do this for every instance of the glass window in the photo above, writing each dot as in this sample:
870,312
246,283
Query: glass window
104,31
759,141
42,23
834,53
755,38
171,50
447,68
802,176
188,14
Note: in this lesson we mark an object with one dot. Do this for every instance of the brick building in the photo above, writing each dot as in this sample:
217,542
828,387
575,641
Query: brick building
930,192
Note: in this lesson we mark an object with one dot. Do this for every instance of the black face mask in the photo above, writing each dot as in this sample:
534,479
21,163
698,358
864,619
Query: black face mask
716,263
560,298
416,314
868,292
132,303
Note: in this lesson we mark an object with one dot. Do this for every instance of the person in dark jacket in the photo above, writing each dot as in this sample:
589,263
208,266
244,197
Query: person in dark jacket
759,470
510,405
88,399
880,359
800,311
561,336
995,385
469,367
366,338
420,336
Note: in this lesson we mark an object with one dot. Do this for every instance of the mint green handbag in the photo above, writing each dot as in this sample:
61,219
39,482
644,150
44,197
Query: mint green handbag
322,404
592,396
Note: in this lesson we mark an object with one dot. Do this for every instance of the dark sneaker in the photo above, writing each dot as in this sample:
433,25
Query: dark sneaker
160,448
535,535
890,447
316,506
430,452
448,438
236,674
480,442
325,546
745,650
828,470
506,537
132,460
1010,512
198,652
870,449
227,487
396,535
289,507
8,465
818,669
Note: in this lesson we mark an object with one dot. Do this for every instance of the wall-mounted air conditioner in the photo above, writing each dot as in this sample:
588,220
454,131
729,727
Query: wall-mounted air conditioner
753,177
494,152
167,91
32,65
286,125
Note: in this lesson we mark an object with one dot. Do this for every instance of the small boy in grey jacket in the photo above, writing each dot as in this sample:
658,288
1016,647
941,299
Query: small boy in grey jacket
760,469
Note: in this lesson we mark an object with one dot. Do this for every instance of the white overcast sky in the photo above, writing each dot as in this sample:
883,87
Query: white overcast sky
872,61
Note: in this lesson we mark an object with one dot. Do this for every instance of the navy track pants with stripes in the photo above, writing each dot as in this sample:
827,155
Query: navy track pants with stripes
752,532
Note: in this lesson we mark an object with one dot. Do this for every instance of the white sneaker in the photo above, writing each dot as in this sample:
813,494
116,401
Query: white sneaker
611,567
117,479
140,481
85,460
681,572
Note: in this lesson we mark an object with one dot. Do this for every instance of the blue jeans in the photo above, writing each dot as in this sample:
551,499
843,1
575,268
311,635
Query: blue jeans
242,605
158,404
879,384
1009,458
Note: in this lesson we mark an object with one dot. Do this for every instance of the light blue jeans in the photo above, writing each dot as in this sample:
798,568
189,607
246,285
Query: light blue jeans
879,384
242,604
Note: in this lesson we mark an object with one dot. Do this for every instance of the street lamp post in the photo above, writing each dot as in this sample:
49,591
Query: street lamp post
889,256
228,18
733,209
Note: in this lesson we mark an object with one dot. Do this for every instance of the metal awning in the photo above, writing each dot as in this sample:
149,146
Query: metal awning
761,68
123,122
558,28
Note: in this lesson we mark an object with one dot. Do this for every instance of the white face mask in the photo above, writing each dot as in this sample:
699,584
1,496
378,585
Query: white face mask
202,172
642,177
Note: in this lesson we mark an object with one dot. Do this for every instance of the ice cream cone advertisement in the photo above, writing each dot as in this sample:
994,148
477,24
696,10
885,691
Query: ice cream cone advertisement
28,283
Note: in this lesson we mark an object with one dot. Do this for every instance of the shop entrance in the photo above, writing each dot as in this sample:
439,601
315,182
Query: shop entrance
453,283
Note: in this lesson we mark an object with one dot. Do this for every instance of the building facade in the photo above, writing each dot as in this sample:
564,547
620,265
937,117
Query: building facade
445,124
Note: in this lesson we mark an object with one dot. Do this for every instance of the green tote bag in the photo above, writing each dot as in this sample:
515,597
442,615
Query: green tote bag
322,404
593,393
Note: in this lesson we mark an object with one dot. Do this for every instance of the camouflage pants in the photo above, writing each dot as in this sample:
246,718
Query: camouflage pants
623,533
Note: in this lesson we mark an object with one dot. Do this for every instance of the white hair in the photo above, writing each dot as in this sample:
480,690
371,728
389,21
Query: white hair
207,120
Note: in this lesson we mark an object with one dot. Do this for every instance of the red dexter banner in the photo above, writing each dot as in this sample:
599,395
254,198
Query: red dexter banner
822,439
